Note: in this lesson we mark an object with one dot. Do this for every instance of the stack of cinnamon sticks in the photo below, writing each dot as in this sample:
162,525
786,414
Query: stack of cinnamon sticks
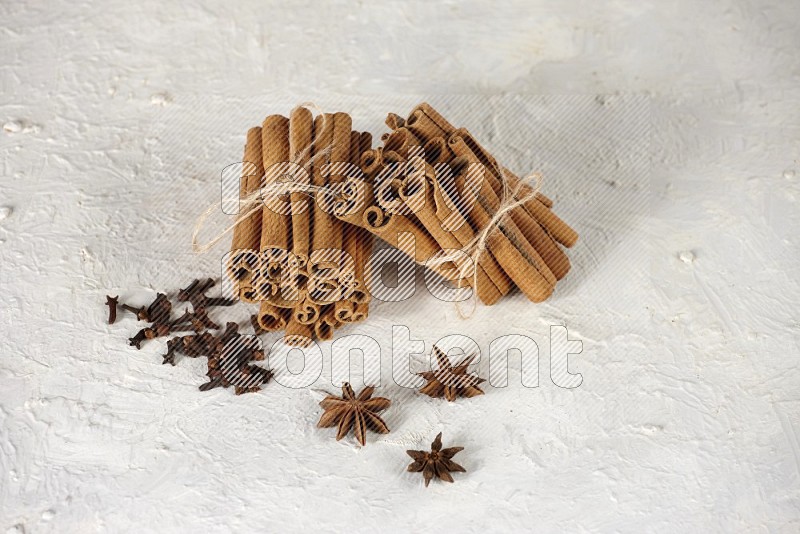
431,191
304,267
440,184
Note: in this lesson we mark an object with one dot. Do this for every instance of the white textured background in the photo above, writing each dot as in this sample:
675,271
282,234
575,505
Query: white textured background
687,418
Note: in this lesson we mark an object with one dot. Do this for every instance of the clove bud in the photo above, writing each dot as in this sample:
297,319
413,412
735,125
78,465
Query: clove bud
111,302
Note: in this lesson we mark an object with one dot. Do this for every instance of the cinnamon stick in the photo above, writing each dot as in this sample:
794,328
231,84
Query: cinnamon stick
275,222
372,162
394,121
361,312
365,143
426,123
326,324
334,139
242,265
272,318
357,241
437,151
402,142
363,250
247,233
306,311
297,334
301,125
343,311
247,293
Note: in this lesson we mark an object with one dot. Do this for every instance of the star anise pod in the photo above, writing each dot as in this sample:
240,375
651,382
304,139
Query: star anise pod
451,382
351,411
437,463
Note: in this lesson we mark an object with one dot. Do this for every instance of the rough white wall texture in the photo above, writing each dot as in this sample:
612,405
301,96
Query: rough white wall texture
117,119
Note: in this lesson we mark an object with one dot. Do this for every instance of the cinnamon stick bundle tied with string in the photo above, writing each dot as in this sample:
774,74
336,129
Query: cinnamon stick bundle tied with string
292,241
522,244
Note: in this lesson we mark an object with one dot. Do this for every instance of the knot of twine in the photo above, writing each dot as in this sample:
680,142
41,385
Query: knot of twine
475,249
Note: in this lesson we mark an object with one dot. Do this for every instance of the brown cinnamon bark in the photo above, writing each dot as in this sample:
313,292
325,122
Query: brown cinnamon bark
363,250
365,143
437,151
351,312
297,334
371,163
426,123
394,121
285,293
306,312
357,196
343,311
403,143
361,312
301,129
322,235
275,222
272,318
357,241
247,293
326,324
327,229
247,233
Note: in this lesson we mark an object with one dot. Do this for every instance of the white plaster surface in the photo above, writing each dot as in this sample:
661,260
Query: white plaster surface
117,118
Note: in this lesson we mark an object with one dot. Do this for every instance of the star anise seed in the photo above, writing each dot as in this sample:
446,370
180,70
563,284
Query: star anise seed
357,412
451,382
436,463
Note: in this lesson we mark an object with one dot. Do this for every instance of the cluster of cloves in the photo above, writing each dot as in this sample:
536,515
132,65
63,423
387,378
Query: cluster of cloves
159,313
229,354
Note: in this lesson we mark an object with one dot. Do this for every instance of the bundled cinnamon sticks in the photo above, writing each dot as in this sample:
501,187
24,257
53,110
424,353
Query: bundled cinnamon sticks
304,266
432,191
